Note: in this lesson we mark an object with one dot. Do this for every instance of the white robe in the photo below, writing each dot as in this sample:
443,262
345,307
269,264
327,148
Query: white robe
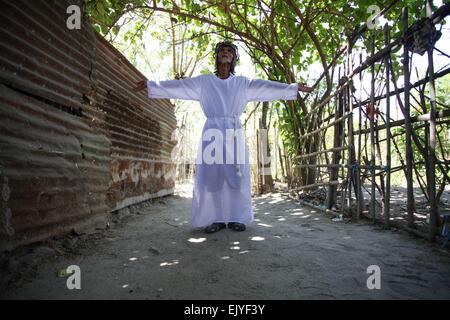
222,191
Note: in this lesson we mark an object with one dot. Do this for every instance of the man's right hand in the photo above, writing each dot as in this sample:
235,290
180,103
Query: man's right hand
141,85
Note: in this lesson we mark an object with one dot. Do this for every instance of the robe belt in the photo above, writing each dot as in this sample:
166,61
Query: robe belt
236,123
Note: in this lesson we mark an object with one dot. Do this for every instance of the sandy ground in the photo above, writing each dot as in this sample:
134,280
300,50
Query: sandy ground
290,252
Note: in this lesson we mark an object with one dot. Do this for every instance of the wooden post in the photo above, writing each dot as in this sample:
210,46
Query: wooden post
283,170
431,176
262,160
258,161
387,197
267,180
408,151
275,149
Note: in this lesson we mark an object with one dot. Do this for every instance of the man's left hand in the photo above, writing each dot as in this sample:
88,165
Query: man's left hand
304,88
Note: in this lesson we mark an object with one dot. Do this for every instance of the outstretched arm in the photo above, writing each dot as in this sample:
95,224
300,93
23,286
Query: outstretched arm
187,89
266,90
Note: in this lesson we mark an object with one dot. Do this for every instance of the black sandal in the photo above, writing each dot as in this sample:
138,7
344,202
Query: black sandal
214,227
236,226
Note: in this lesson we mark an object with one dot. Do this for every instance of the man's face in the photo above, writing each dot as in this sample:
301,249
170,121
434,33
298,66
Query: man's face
225,55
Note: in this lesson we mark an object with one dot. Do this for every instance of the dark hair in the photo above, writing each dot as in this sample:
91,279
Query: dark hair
235,55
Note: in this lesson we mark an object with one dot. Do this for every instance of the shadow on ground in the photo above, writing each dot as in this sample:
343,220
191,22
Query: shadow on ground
290,252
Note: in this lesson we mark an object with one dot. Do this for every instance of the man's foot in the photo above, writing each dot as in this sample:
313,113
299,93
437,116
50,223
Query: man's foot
214,227
236,226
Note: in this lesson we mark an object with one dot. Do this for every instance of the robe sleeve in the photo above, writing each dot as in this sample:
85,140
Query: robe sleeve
187,89
266,90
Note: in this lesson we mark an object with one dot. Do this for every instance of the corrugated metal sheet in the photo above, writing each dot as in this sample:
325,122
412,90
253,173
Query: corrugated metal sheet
75,141
140,132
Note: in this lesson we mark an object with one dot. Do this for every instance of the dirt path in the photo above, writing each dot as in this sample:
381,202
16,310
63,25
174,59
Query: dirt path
290,252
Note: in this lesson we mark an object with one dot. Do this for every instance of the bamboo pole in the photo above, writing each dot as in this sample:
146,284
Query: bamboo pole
342,158
423,117
341,165
408,151
416,128
337,149
368,62
360,202
337,145
442,12
387,198
371,115
412,86
351,142
345,116
306,203
318,184
434,214
422,149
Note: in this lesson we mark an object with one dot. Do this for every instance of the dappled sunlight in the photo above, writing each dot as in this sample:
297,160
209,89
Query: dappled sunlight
265,225
174,262
197,240
276,201
257,238
296,212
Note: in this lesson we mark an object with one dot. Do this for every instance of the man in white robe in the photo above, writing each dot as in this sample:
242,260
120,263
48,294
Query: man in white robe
222,190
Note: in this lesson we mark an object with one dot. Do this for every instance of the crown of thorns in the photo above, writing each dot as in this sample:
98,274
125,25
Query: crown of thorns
227,44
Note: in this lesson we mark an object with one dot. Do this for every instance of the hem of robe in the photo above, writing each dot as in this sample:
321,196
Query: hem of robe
242,213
